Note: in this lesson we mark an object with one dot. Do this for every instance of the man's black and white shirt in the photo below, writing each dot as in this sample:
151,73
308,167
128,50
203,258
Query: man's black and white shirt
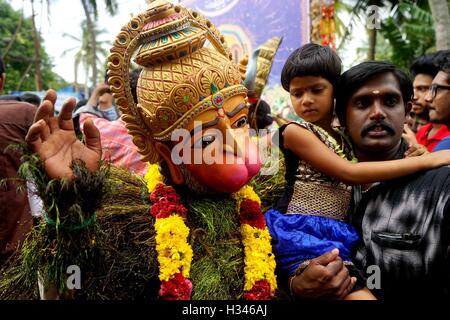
405,226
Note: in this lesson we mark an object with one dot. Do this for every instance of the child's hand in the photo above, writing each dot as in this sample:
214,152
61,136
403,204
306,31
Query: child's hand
409,135
416,150
437,159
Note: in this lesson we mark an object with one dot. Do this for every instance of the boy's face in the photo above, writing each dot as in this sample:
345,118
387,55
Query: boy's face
439,108
421,86
312,99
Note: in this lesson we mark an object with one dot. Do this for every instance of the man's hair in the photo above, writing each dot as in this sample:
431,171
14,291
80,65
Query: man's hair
312,60
424,65
31,98
2,65
442,62
357,76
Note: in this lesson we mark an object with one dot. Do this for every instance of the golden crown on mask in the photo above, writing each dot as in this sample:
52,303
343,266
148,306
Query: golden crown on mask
180,78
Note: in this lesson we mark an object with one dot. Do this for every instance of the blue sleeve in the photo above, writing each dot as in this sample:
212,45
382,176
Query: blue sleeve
443,145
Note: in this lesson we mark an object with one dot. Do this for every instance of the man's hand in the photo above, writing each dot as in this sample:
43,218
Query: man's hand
54,140
99,90
325,277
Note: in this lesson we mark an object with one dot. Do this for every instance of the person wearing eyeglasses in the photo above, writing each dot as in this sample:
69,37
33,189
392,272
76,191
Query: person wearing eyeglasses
438,97
429,134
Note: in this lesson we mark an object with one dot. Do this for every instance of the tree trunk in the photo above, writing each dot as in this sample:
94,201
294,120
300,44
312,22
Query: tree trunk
372,43
37,50
22,79
93,38
14,37
75,82
441,19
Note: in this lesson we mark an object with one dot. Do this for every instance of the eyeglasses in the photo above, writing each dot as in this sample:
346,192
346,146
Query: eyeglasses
434,89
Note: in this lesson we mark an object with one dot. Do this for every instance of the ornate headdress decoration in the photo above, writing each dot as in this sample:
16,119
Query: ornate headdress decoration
180,77
257,72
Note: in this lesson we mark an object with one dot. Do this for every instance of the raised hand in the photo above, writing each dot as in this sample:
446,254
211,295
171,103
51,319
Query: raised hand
409,135
54,139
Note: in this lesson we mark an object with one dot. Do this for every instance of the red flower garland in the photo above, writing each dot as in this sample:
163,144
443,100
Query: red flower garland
177,288
164,192
260,291
251,214
165,202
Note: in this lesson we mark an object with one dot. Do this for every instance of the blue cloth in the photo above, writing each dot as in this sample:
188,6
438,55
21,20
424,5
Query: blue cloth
300,237
444,144
110,113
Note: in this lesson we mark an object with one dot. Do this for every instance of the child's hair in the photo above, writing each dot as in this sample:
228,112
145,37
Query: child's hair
312,60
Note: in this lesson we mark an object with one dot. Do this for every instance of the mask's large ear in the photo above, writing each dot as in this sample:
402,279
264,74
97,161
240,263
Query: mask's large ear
175,172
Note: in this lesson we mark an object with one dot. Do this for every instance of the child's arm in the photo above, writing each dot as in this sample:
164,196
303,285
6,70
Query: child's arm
309,148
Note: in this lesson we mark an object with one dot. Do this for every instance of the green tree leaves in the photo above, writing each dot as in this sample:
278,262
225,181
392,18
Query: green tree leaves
17,50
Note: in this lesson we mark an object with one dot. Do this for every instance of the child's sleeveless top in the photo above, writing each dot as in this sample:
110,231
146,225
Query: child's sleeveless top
310,218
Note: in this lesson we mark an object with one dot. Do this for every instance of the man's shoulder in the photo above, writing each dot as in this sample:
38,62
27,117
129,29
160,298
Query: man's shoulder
7,106
17,112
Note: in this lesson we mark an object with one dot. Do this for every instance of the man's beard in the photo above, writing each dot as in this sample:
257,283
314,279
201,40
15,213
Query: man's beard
424,115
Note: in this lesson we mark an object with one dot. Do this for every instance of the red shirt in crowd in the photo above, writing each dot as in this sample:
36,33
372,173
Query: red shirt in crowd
430,143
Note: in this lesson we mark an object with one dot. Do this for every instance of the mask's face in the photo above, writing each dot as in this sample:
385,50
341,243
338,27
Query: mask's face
218,150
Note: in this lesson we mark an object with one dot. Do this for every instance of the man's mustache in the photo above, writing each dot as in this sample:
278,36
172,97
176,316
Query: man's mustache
383,124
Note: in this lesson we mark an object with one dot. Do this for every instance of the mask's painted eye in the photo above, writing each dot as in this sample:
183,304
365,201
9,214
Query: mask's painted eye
242,122
204,142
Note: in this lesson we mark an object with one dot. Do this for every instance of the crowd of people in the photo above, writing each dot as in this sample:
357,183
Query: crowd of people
366,179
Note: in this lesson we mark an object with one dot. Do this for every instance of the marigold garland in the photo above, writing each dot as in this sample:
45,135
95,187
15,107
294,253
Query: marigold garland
175,254
260,281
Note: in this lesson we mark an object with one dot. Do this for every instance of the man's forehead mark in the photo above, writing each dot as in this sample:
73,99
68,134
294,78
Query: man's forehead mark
364,92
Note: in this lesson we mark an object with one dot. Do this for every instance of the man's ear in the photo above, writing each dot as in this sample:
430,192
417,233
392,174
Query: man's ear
408,107
175,172
2,81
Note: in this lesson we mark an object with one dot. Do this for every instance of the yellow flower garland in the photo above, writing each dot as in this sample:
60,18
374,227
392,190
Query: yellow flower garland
259,264
175,254
259,259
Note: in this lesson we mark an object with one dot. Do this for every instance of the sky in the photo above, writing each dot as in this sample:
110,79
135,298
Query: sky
66,17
